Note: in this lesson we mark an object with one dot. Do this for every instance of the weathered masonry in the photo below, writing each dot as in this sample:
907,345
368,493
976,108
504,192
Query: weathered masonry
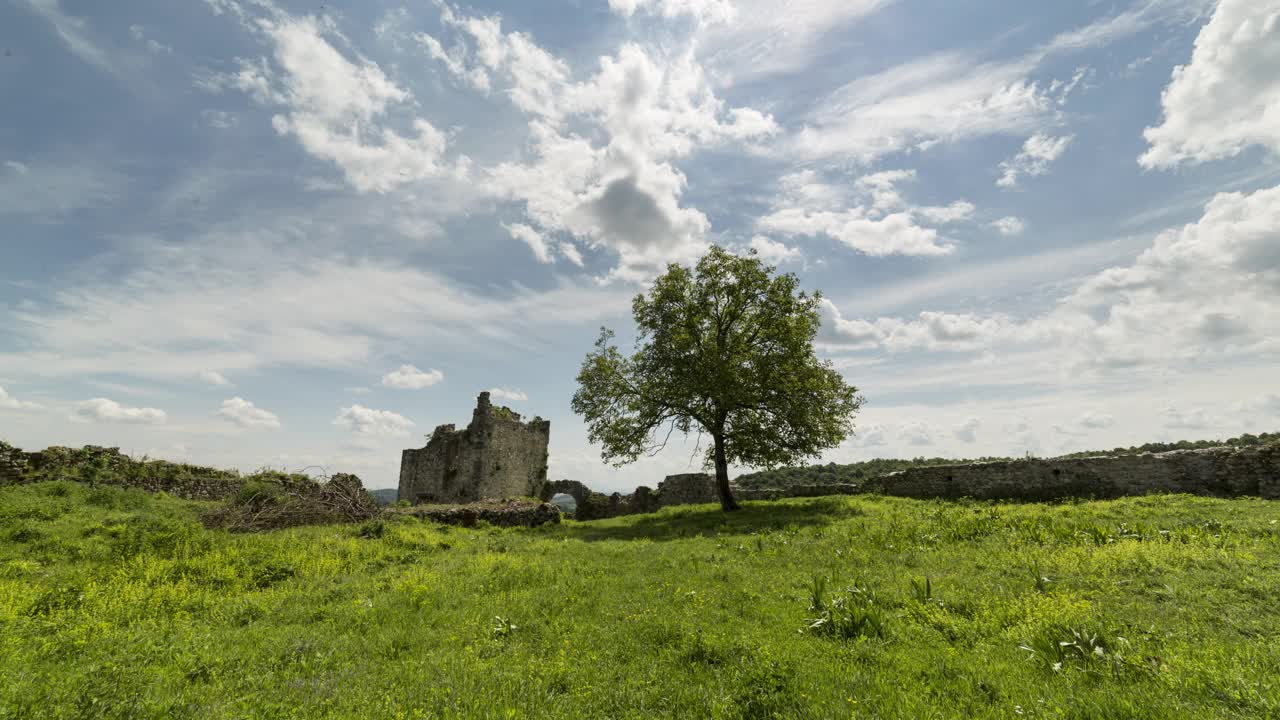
1217,472
497,456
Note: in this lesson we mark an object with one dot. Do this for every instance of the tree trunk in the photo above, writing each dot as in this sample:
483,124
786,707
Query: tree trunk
727,503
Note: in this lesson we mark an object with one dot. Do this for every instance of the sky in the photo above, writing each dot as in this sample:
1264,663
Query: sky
300,235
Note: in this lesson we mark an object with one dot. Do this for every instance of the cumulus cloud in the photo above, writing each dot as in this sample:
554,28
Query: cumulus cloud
1227,97
245,414
928,331
1207,289
1009,226
600,167
104,410
509,394
336,106
873,435
408,377
366,421
967,431
9,402
1037,154
872,217
915,433
773,252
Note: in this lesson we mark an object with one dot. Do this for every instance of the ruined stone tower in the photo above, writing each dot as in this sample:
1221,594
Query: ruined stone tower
496,456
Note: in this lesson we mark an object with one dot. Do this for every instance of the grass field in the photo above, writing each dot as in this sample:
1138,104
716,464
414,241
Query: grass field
118,604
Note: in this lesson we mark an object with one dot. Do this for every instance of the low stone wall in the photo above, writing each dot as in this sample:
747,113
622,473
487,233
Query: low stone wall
684,489
1218,472
13,463
509,514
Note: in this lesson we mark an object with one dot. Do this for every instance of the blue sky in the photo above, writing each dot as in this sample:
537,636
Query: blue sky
258,233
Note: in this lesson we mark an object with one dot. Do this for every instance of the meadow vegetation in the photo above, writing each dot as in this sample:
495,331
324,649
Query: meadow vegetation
117,603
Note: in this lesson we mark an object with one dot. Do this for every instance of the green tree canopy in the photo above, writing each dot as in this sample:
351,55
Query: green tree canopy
724,349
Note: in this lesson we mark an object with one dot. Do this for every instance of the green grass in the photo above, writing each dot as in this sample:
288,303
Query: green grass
119,604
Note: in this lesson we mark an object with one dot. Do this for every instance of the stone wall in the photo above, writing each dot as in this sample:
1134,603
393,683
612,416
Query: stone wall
683,489
496,456
1219,472
108,466
13,463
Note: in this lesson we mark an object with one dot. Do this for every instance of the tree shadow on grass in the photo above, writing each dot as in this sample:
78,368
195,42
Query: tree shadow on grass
687,521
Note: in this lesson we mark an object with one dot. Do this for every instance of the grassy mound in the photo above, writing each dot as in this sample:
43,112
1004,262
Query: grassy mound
115,603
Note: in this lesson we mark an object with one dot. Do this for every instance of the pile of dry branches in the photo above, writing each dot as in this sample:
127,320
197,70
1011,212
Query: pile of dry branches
271,506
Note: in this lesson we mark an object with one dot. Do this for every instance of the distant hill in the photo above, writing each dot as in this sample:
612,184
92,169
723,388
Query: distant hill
384,496
833,473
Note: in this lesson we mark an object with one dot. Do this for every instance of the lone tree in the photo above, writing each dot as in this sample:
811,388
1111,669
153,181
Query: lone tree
724,349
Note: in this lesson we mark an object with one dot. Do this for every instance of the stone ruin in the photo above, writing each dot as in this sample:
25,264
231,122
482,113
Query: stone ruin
496,456
1213,472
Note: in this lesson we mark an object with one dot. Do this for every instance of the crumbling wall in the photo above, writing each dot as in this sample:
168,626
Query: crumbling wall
1219,472
13,463
108,466
688,489
496,456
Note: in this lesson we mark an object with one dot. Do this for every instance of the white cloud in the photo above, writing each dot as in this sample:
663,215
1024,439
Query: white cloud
916,433
955,212
871,218
337,107
773,37
967,431
214,378
228,302
873,435
1202,291
1227,97
9,402
533,239
943,97
1009,226
930,331
408,377
707,11
245,414
600,163
365,421
1095,420
951,96
772,252
1037,154
17,167
508,394
104,410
